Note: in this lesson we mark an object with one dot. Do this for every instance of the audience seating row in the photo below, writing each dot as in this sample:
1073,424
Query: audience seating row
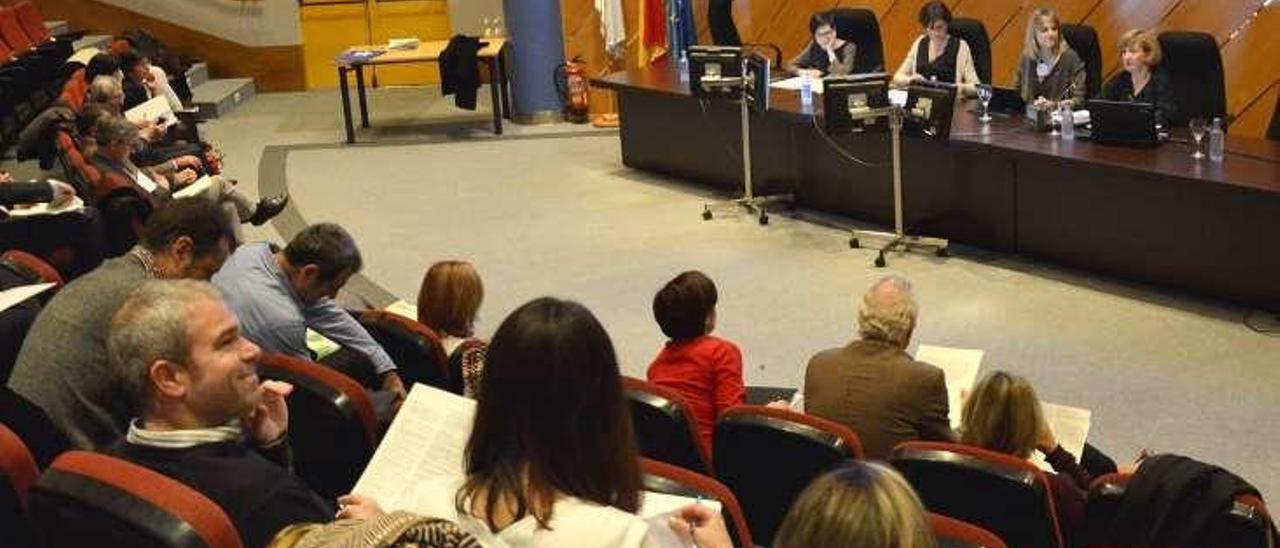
31,61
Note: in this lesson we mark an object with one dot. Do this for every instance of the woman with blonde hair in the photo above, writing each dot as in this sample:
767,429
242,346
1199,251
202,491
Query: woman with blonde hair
1003,414
864,504
448,302
1049,71
1141,81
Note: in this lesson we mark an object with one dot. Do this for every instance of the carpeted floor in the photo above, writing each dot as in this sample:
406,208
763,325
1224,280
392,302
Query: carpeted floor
552,211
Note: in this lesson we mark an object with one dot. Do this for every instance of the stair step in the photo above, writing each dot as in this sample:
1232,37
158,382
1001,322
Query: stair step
100,41
220,96
198,74
57,27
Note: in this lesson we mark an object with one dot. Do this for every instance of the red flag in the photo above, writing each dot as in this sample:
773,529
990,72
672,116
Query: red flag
653,31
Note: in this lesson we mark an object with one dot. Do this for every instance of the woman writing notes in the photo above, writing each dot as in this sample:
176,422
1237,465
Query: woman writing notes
937,56
1049,71
826,54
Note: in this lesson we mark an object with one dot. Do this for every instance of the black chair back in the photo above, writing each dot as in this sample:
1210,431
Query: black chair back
1005,495
414,347
1246,523
665,429
974,33
1193,65
768,456
860,26
1084,40
720,19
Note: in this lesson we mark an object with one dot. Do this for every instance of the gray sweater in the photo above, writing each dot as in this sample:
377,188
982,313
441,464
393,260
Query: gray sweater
63,367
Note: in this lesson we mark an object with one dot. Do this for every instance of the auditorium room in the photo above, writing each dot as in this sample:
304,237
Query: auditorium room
639,273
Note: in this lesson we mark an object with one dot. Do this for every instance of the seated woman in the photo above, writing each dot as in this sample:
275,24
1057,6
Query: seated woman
447,303
116,138
1049,71
864,504
552,460
705,369
937,55
1141,81
1003,414
826,54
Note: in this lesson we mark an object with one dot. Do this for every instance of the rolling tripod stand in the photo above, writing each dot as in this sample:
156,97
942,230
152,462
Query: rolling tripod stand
742,90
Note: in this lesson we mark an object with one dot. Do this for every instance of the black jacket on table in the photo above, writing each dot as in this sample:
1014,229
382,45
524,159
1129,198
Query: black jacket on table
459,74
1156,92
25,193
260,496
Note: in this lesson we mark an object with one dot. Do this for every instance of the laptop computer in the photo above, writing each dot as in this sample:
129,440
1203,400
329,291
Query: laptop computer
1122,123
1006,101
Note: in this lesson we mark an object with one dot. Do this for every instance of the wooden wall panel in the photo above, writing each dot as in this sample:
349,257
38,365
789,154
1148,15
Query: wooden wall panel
273,68
1252,62
899,27
1256,118
1216,17
1004,20
1113,18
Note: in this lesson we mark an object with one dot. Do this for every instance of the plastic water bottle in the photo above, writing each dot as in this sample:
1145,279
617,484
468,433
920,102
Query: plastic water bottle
1068,121
806,94
1216,138
684,67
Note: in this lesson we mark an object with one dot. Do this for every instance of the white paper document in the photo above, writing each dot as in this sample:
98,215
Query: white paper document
1070,425
794,84
155,109
197,188
959,366
404,309
657,509
426,441
46,208
13,296
320,345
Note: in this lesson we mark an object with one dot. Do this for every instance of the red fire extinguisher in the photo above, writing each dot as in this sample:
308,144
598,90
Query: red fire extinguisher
571,83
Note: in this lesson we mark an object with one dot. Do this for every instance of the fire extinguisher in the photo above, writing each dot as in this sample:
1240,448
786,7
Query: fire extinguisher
571,83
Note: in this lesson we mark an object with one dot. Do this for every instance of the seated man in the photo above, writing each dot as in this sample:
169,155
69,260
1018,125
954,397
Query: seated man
872,385
49,235
178,354
62,366
279,295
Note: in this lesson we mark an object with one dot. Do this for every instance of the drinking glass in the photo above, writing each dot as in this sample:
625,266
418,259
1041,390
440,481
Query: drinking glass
984,95
1199,126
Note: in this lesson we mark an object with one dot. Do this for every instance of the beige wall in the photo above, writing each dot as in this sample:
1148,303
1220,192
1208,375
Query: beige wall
250,22
465,15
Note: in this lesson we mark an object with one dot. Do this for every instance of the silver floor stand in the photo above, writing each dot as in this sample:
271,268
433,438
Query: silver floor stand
749,201
898,240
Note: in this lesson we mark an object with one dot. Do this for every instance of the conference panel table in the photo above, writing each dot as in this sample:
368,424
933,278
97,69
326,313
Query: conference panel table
1153,215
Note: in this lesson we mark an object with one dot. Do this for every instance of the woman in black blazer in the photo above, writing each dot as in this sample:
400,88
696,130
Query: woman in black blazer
1141,81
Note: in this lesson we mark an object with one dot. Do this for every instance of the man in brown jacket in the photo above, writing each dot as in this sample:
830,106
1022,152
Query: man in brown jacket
872,385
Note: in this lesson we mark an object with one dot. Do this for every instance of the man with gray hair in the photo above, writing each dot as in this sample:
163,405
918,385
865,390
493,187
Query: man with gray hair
280,294
202,415
872,385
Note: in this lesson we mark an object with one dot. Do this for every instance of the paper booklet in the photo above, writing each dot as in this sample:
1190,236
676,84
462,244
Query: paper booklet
46,208
794,84
960,367
321,346
155,109
200,186
403,308
15,295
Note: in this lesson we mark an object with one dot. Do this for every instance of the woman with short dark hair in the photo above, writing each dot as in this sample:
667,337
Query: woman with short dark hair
826,53
937,55
705,370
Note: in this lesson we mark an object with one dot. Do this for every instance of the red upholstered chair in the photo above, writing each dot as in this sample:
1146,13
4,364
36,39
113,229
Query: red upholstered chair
953,533
414,347
1003,494
332,426
11,31
768,456
674,480
665,427
39,270
1246,523
32,22
18,472
92,499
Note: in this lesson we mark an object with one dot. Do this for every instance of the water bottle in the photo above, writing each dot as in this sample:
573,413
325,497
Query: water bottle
1068,121
806,94
683,67
1216,139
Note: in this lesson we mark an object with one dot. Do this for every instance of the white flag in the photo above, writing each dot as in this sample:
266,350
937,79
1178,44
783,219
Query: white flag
612,27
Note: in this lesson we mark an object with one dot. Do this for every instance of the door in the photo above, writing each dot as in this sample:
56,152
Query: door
425,20
331,26
328,28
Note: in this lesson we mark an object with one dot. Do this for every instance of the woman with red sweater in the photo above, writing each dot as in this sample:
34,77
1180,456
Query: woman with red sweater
705,369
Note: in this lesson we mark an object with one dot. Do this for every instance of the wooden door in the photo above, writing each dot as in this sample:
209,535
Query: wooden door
425,20
328,28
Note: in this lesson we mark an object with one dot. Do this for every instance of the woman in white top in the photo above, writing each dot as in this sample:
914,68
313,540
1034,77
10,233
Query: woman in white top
937,55
552,460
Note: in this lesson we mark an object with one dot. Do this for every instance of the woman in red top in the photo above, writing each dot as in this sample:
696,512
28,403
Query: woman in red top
705,369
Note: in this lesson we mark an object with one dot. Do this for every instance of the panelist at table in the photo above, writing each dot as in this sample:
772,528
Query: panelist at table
826,54
1142,81
1049,70
937,55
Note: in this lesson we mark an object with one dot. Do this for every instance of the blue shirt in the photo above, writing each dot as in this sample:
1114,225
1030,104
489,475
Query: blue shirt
273,315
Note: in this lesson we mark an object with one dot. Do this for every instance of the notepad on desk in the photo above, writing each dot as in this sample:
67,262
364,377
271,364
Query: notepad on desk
196,188
797,82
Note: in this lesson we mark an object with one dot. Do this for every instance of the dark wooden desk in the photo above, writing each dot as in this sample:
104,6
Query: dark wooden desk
1148,214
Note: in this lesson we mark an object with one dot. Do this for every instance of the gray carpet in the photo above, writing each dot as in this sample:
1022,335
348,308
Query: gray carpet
552,211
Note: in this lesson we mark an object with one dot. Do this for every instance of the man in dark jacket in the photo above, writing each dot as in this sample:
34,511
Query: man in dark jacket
204,417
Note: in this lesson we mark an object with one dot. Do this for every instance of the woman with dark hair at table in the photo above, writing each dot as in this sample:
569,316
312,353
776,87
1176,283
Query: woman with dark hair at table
937,55
826,54
1049,70
1141,81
